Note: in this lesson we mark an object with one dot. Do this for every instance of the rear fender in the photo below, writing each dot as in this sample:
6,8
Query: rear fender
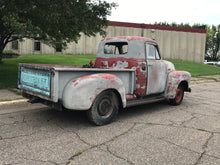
173,81
79,94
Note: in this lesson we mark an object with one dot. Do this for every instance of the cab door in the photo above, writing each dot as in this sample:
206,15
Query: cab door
156,70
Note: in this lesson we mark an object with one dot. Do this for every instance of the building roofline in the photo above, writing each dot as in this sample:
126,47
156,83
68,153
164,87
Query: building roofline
159,27
129,38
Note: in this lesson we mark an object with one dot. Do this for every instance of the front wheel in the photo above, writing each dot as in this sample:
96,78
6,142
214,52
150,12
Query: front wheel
104,109
178,97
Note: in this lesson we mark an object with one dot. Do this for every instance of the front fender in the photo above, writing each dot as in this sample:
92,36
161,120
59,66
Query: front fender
80,93
173,81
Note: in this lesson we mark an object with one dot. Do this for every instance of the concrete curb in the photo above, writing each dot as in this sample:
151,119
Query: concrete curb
13,102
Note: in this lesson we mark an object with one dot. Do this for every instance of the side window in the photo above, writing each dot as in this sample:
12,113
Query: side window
152,52
116,48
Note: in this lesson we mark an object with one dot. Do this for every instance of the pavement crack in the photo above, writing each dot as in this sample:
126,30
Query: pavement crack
119,157
193,117
125,132
177,145
205,145
98,145
201,129
78,136
207,141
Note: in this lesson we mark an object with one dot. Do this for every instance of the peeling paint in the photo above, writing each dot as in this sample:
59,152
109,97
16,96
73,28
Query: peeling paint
121,64
174,79
88,88
127,63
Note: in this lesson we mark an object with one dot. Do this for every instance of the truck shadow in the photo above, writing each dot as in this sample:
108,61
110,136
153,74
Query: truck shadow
78,119
144,109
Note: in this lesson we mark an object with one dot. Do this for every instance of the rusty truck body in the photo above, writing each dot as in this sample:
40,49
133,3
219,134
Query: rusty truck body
128,71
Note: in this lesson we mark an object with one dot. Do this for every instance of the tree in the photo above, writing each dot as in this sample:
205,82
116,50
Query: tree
51,21
212,41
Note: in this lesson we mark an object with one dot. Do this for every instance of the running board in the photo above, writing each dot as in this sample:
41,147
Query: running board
133,102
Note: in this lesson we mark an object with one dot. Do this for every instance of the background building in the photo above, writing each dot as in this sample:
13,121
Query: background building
174,42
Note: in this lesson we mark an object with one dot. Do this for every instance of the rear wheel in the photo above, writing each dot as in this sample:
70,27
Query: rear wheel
104,109
179,96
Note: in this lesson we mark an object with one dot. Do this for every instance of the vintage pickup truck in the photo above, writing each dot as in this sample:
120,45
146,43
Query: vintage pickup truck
128,71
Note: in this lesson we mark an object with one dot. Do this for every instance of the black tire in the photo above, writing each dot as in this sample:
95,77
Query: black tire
104,109
178,97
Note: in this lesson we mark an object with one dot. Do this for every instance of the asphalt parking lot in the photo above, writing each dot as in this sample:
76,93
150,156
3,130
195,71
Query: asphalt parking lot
152,134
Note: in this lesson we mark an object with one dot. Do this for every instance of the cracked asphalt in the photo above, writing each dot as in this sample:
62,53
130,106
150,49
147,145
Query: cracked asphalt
149,134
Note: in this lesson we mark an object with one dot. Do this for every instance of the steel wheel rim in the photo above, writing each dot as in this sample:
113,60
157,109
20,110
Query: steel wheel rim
105,108
179,94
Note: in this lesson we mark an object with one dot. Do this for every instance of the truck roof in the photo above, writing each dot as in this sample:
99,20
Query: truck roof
129,38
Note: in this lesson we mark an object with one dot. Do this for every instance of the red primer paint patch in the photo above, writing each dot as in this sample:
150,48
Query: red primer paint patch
87,77
108,76
76,84
141,77
74,81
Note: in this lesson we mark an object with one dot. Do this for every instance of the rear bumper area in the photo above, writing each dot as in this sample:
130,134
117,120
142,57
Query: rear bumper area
34,99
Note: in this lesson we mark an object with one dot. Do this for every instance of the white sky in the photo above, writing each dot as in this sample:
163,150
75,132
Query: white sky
151,11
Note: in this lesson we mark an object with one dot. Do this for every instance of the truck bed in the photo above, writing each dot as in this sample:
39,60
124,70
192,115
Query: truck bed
48,81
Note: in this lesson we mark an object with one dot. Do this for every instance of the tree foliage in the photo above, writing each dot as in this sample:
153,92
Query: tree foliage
52,21
213,42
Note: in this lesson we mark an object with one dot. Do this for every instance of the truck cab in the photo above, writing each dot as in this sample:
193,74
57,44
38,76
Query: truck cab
141,54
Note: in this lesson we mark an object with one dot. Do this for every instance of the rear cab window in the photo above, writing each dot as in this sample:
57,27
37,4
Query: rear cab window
117,48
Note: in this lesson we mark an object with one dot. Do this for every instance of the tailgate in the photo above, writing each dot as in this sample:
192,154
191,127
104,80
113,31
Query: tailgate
35,80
